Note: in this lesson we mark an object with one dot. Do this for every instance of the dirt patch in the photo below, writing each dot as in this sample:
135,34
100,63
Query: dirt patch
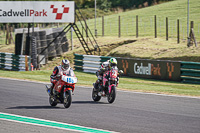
105,49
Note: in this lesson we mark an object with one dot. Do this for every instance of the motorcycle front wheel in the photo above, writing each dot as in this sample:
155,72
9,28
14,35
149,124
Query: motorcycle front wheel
67,98
52,101
112,95
95,95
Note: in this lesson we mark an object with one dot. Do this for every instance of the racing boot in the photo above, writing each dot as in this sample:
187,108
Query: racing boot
50,89
95,86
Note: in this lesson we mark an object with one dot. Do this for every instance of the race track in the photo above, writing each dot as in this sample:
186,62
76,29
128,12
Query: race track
130,113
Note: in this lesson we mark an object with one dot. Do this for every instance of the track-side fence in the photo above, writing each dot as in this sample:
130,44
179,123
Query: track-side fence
190,72
88,63
9,61
186,72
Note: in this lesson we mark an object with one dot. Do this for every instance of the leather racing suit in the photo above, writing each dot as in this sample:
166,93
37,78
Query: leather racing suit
59,71
104,67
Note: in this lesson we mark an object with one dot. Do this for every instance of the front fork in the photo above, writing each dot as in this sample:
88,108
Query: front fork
110,86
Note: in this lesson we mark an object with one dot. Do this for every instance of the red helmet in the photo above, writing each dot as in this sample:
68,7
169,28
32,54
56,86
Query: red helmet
65,64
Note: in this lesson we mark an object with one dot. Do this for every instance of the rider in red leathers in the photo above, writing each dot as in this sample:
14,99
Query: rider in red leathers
63,69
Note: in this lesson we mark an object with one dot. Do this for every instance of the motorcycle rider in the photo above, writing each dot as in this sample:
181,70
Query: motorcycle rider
106,66
63,69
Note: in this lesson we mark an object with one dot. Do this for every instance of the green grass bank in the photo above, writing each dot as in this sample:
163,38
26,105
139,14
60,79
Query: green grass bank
173,10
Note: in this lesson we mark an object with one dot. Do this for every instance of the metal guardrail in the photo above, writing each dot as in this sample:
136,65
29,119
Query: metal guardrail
9,61
190,72
88,63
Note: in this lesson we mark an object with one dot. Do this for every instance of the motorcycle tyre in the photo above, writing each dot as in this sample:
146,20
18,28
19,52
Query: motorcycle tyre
95,96
69,99
51,102
112,95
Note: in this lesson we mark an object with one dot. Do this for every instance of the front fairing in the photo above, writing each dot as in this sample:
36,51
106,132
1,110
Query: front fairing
66,82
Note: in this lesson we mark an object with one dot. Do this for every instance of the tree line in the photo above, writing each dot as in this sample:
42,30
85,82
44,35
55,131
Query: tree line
110,4
107,5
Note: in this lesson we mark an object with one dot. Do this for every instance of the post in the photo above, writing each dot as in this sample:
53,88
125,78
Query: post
95,19
86,29
33,26
22,45
119,27
155,27
7,34
27,49
136,26
178,36
72,37
10,34
82,31
4,29
102,25
191,38
191,24
167,28
188,22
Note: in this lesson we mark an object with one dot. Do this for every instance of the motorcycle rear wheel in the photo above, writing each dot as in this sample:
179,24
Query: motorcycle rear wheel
67,98
95,95
52,101
112,95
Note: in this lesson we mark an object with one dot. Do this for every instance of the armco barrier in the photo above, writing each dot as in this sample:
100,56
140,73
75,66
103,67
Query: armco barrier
88,63
9,61
155,69
190,72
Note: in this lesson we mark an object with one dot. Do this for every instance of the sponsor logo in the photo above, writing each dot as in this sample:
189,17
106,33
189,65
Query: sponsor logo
156,70
24,13
142,70
125,66
150,69
35,13
59,15
170,69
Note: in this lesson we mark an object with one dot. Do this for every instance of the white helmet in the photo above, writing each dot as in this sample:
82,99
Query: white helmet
113,62
65,64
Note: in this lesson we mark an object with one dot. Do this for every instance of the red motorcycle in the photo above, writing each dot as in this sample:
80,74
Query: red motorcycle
62,91
108,87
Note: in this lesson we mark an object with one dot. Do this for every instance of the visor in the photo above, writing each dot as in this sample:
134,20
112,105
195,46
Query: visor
113,64
65,66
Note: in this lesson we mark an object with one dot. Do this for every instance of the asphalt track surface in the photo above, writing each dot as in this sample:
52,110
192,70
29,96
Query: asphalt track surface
130,113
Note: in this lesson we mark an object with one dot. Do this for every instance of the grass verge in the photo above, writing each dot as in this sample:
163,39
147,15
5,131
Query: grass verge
126,83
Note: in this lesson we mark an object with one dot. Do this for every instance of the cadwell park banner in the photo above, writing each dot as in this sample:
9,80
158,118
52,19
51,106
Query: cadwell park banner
141,68
37,11
156,69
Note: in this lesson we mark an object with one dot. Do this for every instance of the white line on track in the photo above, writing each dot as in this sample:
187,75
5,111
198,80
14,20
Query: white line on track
29,119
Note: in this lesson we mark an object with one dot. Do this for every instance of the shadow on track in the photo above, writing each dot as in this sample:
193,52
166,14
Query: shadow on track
34,107
87,102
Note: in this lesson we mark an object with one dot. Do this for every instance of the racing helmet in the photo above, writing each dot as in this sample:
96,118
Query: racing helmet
65,64
113,62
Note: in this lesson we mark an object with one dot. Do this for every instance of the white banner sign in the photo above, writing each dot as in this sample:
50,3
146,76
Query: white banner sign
37,11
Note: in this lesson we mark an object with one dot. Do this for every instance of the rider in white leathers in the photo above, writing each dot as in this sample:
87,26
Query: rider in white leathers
63,69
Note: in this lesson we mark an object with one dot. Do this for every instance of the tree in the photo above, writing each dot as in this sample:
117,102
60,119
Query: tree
103,4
